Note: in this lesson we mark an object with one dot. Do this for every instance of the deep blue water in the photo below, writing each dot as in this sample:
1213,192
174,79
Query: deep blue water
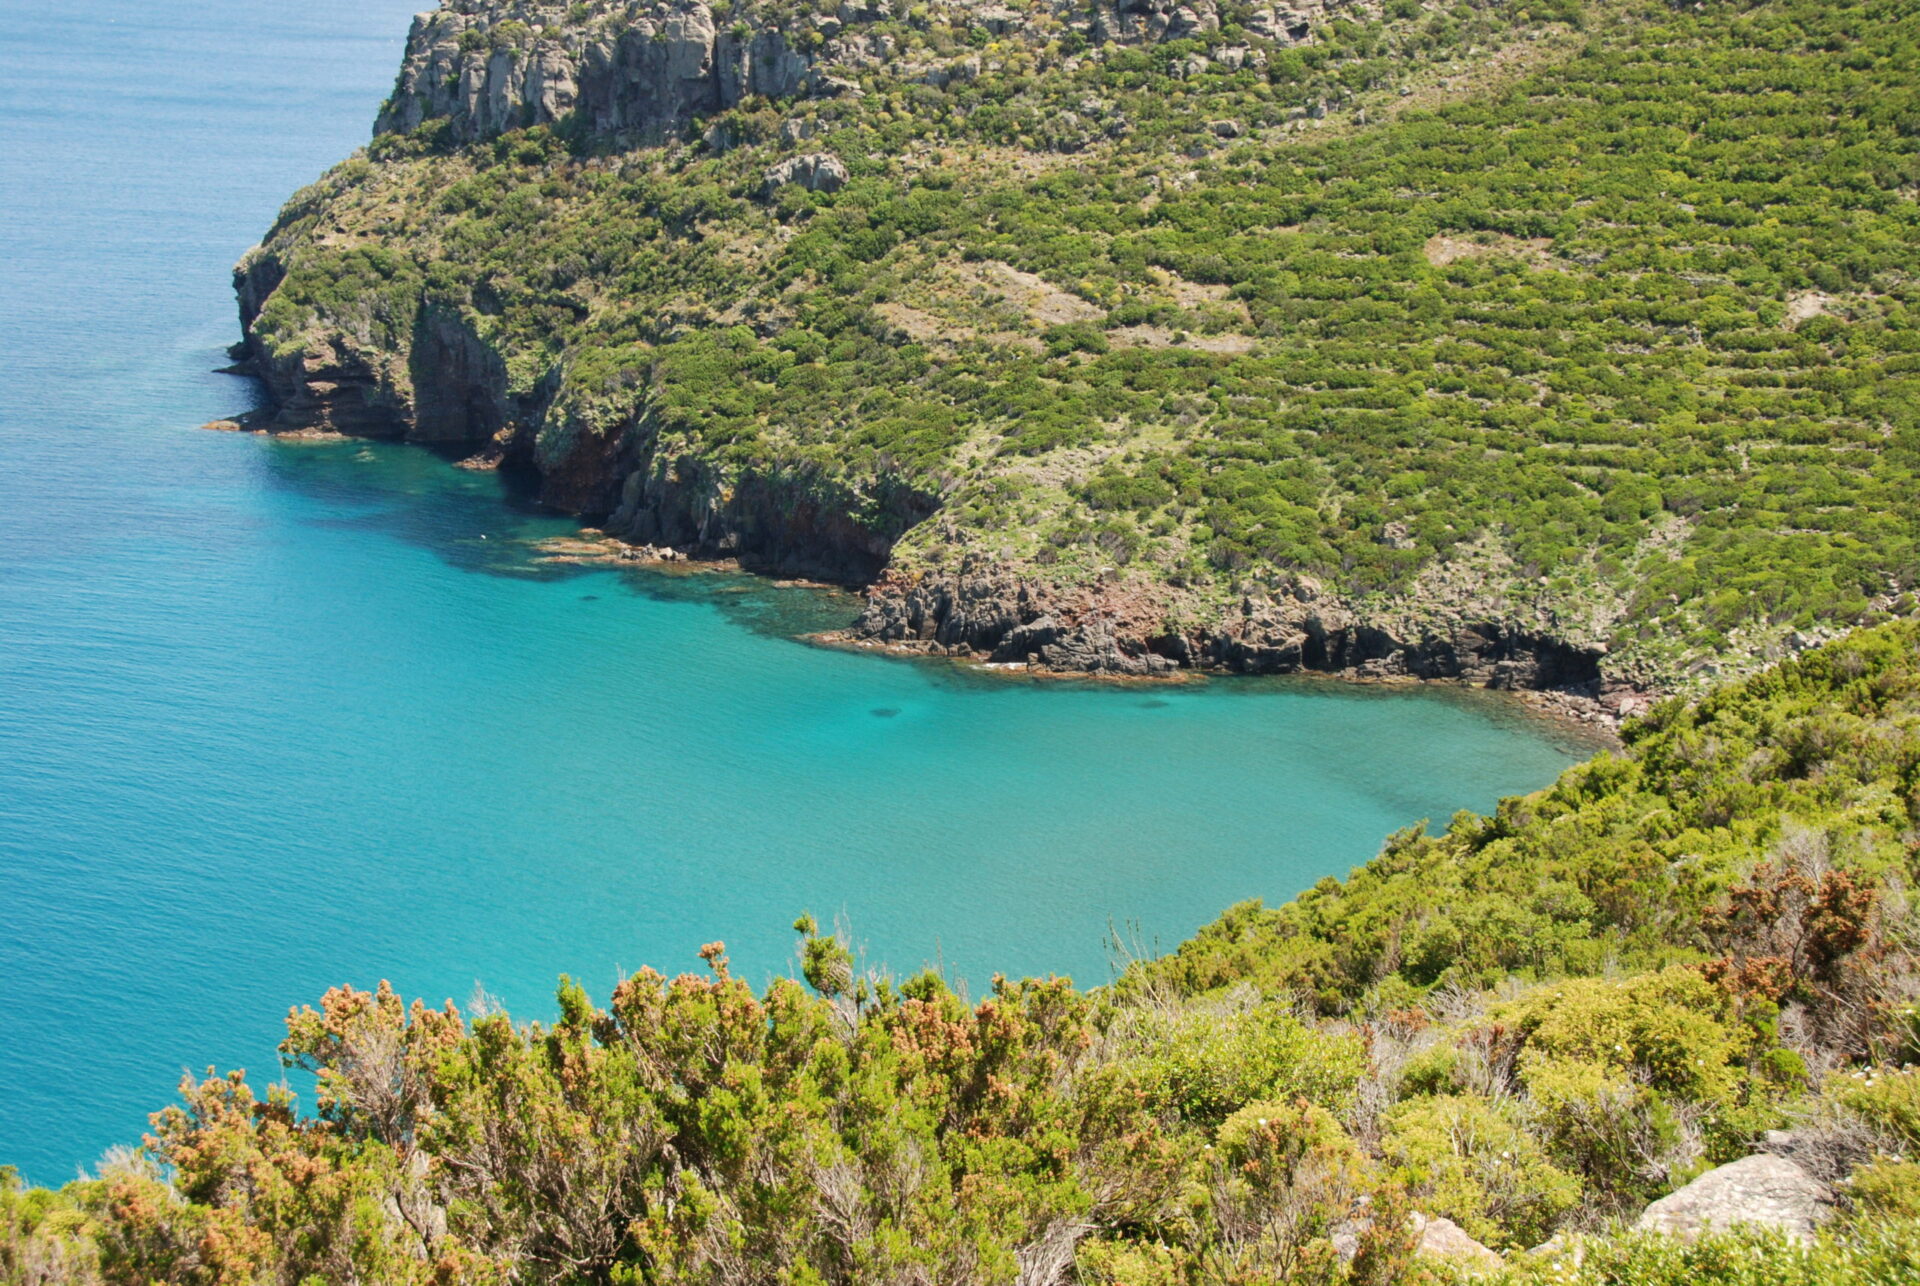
277,716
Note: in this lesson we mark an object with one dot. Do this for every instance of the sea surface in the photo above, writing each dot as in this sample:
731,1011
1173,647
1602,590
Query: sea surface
276,716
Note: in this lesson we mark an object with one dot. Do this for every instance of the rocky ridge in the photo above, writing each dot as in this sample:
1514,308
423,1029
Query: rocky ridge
638,72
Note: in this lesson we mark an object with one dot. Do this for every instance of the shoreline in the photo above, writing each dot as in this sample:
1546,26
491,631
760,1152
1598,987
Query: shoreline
1586,718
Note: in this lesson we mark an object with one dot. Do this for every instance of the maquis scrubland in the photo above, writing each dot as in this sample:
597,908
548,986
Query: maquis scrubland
1563,345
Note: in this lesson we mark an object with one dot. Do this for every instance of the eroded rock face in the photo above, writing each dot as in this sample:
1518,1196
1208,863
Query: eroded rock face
1767,1192
635,72
816,172
1123,627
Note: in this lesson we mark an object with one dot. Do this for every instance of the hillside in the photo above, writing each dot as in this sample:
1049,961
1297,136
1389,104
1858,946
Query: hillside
1530,1028
1563,345
1556,345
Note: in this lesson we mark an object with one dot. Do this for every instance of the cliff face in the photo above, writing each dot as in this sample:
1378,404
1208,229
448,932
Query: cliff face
1139,628
640,72
637,73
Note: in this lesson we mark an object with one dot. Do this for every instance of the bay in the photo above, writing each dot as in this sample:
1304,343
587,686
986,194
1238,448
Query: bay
278,716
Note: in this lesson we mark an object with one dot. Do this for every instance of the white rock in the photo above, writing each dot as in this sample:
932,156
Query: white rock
1757,1191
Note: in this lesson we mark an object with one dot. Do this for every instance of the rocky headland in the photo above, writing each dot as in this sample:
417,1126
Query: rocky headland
563,202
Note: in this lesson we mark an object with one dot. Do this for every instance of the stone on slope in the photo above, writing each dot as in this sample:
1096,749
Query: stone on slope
1445,1239
1441,1239
1758,1191
817,172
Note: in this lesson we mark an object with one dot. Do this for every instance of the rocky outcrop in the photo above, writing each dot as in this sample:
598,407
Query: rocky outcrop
816,172
1766,1192
1446,1240
1131,628
633,72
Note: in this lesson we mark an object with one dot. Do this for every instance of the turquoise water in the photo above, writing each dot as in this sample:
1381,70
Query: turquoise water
278,716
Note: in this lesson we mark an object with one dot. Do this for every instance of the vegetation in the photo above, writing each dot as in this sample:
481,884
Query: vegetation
1267,1105
1611,306
1611,301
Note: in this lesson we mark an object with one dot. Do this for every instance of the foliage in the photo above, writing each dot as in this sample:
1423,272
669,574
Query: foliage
1629,321
1468,1158
1634,860
1885,1254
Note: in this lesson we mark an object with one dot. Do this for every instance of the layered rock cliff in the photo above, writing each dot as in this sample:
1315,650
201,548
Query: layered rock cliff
1121,337
638,72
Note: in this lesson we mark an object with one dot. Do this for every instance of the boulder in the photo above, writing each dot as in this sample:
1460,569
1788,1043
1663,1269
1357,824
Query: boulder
816,172
1445,1239
1441,1239
1767,1192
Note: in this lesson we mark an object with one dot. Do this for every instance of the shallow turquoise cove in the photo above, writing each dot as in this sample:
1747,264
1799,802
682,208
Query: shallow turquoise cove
275,716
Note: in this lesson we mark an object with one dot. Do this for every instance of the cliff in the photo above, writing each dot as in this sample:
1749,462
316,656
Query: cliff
1143,336
642,72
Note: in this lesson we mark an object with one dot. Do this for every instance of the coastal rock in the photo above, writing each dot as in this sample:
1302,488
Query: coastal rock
1761,1191
1120,627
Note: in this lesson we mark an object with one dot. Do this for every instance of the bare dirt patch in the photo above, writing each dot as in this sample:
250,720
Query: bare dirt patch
1161,337
1444,249
922,327
1222,343
1042,301
1807,305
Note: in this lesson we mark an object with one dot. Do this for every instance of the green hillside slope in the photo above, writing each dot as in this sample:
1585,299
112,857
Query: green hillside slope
1575,337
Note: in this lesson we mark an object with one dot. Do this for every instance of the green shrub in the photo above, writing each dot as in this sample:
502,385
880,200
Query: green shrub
1204,1065
1886,1189
1471,1160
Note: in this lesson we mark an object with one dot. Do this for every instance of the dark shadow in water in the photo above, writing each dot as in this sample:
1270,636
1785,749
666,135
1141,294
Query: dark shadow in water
885,712
492,524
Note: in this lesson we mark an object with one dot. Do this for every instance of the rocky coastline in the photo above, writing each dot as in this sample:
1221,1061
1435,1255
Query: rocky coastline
1007,624
1008,621
375,349
447,387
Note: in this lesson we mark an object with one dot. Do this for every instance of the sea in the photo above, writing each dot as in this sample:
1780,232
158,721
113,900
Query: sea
278,716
